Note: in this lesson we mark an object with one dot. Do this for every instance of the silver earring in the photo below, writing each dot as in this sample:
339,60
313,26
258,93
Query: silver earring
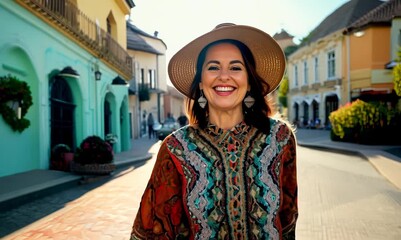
249,101
202,100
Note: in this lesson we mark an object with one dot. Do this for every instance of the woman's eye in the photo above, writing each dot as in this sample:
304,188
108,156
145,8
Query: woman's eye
235,68
212,68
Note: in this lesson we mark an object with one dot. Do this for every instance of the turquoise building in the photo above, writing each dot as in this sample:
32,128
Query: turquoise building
78,81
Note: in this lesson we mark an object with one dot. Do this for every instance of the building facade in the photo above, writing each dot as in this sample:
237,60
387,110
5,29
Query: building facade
70,54
174,103
318,71
149,83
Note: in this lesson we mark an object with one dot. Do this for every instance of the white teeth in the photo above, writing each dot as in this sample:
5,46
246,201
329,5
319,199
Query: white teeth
224,89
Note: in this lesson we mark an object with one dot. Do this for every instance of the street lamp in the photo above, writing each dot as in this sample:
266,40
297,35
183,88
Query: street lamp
98,75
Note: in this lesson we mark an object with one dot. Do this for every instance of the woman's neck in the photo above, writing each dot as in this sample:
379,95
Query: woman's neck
225,119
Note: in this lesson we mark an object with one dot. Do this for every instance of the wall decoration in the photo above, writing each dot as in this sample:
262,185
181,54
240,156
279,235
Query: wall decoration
15,100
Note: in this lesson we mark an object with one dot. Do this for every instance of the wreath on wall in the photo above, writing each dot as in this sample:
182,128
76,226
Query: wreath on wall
15,100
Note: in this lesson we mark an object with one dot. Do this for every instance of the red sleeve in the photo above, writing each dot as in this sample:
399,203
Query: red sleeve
289,209
161,214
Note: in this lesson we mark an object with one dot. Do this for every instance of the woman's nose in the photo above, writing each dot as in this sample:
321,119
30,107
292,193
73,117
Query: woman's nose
224,74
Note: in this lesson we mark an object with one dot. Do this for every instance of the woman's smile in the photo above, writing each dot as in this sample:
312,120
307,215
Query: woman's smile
224,90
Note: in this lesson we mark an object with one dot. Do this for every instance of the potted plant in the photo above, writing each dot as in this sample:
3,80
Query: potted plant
111,139
61,157
94,156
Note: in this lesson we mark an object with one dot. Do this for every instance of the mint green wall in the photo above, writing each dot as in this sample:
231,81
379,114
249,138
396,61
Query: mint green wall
32,51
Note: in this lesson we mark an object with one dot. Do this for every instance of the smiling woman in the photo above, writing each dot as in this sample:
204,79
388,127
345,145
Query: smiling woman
230,173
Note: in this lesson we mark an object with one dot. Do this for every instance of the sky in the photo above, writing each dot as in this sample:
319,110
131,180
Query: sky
180,21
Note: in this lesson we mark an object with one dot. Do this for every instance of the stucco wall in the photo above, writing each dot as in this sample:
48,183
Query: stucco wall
33,51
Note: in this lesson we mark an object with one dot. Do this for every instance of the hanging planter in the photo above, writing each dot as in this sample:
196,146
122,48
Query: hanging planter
15,100
144,94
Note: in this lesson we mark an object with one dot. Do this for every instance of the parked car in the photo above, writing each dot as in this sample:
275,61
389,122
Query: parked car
166,128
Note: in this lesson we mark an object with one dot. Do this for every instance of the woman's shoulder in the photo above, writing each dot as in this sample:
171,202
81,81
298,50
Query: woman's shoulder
280,125
181,132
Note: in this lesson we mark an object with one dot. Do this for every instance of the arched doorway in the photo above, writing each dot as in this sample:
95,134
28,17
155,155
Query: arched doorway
107,118
315,109
331,105
306,113
61,113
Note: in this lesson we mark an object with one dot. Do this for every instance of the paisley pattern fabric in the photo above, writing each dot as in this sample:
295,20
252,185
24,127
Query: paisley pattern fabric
220,184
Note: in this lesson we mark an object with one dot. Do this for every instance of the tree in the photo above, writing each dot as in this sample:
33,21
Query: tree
282,92
397,74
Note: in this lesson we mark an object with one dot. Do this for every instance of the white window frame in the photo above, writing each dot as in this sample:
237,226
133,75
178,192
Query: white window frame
295,76
316,69
331,65
306,72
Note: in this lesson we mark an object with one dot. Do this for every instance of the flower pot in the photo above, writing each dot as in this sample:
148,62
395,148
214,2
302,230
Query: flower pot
93,169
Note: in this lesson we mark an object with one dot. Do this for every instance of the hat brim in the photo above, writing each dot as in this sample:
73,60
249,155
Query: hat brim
268,55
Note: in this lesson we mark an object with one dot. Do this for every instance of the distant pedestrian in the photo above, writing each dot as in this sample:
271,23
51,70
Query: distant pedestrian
182,120
151,122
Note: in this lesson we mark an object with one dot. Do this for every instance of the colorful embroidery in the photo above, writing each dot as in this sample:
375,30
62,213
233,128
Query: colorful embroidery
215,184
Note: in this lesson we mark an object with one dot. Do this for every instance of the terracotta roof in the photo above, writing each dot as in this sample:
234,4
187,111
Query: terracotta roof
382,14
136,42
342,17
282,35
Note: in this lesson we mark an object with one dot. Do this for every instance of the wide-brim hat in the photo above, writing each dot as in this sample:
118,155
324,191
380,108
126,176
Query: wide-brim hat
268,55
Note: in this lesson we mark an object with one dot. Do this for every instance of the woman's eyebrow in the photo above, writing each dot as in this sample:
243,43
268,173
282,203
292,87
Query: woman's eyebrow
236,61
232,62
212,61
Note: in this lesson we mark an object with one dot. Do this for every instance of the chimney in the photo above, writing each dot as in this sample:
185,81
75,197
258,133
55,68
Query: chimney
156,33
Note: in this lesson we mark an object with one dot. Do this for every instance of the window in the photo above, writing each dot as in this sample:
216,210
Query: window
108,26
295,76
152,79
331,65
316,69
142,77
305,72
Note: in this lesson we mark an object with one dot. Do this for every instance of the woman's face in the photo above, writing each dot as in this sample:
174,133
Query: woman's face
224,78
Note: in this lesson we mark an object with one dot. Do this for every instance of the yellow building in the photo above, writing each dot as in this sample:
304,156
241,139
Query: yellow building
371,43
318,71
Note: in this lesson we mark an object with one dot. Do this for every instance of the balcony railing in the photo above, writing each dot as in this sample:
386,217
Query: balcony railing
70,19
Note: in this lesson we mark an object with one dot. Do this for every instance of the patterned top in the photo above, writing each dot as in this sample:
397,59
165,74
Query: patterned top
222,184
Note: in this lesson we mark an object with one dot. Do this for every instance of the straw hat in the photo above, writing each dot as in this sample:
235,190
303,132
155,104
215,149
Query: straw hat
269,57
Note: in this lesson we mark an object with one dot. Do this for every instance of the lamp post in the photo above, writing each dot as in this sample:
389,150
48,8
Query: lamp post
98,77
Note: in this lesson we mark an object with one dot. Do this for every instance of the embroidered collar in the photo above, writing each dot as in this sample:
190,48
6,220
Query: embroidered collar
215,132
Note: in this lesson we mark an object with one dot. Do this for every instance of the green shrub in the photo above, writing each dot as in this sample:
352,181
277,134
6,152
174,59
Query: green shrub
367,123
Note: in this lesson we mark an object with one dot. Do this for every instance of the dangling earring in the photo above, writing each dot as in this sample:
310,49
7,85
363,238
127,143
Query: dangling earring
202,100
249,100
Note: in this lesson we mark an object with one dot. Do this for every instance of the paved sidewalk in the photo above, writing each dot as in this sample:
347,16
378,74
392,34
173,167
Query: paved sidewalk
387,164
22,187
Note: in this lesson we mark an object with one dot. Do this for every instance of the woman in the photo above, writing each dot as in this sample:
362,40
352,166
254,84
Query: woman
230,173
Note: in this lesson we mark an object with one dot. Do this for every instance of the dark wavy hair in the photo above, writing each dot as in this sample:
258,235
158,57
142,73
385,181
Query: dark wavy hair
257,115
